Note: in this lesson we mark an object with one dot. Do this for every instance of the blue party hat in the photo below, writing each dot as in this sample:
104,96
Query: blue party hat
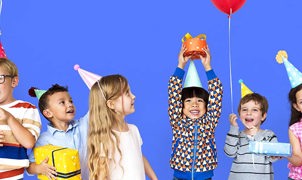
294,75
192,78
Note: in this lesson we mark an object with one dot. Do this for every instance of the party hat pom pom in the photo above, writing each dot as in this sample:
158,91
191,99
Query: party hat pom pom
280,56
240,81
31,92
76,67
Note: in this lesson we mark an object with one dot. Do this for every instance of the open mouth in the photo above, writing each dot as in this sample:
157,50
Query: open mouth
70,111
249,120
194,112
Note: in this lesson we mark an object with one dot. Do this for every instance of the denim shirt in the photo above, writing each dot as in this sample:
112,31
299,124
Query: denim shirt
74,137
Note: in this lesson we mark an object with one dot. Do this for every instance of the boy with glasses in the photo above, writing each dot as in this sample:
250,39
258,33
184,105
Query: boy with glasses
20,125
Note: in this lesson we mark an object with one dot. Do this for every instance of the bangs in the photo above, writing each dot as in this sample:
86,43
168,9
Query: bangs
191,92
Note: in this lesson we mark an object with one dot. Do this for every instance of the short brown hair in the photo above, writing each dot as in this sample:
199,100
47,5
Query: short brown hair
257,98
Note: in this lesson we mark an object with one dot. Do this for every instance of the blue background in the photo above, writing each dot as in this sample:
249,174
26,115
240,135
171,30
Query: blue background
141,40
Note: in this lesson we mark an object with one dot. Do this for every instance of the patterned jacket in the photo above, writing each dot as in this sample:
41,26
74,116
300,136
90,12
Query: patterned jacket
193,142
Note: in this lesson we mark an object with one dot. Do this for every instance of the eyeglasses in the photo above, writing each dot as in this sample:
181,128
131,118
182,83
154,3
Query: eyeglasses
2,78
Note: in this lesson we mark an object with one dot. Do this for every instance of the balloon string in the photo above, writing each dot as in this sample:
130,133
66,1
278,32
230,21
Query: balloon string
230,62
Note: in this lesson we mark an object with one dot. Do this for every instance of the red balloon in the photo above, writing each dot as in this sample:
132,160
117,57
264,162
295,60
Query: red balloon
228,6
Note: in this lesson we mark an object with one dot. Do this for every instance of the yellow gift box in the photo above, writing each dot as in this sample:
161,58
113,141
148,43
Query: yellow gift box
65,160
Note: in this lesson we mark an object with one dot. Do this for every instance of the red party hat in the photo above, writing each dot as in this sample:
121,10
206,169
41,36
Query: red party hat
2,52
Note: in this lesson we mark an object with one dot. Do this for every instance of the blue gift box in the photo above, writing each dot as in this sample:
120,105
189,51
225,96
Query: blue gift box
270,149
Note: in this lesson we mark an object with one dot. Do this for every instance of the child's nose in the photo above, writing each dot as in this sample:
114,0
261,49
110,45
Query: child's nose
194,104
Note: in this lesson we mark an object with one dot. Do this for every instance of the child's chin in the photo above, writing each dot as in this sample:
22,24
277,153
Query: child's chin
71,117
194,116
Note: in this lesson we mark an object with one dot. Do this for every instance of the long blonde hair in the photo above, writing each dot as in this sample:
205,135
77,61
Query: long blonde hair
102,140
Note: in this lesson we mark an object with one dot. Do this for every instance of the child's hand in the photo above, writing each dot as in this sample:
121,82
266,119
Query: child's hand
233,119
4,115
182,61
47,169
206,61
1,138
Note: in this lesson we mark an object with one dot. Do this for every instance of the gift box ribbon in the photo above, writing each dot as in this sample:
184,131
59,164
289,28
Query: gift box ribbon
60,174
188,36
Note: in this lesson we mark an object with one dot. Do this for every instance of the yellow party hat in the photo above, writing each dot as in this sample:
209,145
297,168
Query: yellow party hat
244,89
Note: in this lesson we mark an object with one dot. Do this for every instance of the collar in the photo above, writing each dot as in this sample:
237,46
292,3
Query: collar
53,130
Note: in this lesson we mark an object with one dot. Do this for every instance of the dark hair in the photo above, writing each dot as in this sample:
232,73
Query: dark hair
43,101
257,98
295,115
190,92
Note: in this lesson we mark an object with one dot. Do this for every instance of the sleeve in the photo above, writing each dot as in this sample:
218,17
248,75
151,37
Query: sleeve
174,96
83,126
215,90
138,135
232,142
32,121
295,129
85,118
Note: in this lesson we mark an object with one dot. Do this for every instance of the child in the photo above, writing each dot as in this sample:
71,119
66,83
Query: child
295,133
252,110
194,115
57,107
20,125
114,146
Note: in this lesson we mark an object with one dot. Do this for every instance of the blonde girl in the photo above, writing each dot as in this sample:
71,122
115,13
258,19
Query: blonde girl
114,146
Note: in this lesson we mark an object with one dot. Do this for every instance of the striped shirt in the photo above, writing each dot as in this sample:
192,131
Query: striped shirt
246,165
295,172
13,156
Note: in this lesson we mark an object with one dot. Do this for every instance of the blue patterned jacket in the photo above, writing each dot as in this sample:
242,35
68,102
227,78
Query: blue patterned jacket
193,142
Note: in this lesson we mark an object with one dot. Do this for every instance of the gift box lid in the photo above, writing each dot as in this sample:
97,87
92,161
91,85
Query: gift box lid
270,149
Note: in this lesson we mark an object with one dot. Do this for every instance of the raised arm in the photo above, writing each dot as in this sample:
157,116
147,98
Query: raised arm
232,138
175,88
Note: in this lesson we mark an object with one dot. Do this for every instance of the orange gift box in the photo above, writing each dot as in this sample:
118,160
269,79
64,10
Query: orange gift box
65,160
194,45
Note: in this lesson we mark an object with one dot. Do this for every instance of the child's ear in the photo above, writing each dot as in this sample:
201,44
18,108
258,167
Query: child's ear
47,113
110,104
263,116
15,81
296,107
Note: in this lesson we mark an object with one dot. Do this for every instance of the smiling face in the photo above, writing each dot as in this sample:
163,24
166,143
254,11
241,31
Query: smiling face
60,108
9,80
7,87
194,100
194,107
251,114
